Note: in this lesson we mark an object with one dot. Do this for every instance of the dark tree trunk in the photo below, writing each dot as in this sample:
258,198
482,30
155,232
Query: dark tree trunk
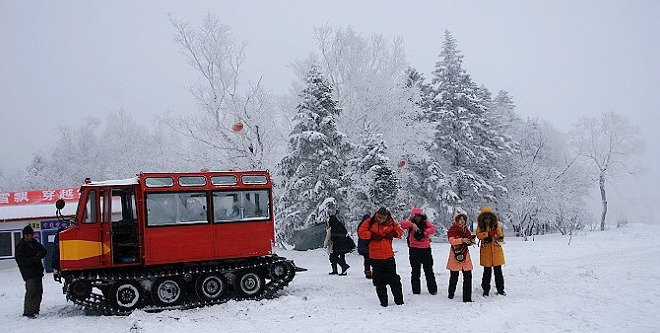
604,199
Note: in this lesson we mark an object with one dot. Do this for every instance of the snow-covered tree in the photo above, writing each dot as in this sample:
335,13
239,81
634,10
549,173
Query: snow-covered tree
78,154
121,150
547,188
368,75
466,141
130,148
233,127
313,180
373,183
611,145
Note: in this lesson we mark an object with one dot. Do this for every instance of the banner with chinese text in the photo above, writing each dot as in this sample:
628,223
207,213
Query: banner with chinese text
38,197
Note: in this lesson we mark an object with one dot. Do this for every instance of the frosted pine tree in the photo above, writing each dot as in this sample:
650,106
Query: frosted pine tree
373,182
312,171
465,139
422,182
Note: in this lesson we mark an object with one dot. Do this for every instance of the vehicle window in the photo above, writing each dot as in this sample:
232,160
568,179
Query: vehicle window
159,181
224,180
254,179
90,208
192,181
176,208
241,205
123,205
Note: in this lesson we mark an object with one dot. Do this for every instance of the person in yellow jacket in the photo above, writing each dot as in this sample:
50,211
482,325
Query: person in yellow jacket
489,231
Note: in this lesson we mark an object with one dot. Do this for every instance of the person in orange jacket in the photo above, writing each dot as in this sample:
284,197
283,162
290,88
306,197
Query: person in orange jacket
489,231
380,231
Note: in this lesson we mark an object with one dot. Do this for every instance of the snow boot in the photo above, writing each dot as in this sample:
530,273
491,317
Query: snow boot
334,269
467,286
397,292
453,280
416,287
344,268
381,291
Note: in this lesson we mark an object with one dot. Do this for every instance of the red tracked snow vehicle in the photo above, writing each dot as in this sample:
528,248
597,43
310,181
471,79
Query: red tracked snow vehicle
172,240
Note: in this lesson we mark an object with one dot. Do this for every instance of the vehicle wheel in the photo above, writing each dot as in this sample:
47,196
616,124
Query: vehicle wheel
167,291
279,270
126,295
80,290
210,287
249,284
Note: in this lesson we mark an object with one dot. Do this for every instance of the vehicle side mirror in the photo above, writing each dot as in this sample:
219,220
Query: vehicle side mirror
60,204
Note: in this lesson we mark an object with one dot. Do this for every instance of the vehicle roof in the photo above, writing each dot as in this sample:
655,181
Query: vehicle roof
116,182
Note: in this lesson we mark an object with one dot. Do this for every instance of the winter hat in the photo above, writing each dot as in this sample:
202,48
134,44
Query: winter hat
460,214
28,230
486,213
417,210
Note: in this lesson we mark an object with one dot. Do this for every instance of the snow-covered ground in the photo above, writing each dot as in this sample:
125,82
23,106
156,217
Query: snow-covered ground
603,281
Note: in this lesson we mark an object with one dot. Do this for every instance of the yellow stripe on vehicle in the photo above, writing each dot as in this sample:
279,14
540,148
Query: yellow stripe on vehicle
81,249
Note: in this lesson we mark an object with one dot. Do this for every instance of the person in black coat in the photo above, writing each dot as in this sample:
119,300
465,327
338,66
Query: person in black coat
363,249
338,244
55,256
29,253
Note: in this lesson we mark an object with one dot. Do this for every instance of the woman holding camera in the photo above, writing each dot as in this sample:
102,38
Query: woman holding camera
489,231
419,250
459,260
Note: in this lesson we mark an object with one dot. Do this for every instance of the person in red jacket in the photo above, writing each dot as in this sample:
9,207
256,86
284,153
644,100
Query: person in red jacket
380,231
419,251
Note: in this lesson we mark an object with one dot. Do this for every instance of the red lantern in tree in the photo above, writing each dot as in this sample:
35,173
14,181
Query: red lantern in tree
401,164
237,127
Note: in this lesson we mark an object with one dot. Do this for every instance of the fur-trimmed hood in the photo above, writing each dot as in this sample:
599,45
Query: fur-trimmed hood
460,214
487,212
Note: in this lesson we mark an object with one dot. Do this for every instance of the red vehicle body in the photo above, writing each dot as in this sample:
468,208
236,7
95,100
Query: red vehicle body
172,239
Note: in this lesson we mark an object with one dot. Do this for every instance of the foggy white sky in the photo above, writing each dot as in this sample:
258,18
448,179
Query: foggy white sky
560,60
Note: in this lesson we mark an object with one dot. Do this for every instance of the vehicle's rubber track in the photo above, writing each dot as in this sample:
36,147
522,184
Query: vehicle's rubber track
103,279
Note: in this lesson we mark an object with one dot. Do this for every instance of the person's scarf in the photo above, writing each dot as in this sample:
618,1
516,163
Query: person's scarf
459,231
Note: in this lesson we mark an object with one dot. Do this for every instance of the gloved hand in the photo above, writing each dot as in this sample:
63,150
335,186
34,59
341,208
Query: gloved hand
492,233
391,234
376,237
419,235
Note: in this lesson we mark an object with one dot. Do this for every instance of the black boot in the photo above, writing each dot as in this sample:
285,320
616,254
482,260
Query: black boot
416,287
431,284
381,292
467,286
334,269
397,292
499,280
453,280
485,280
344,268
